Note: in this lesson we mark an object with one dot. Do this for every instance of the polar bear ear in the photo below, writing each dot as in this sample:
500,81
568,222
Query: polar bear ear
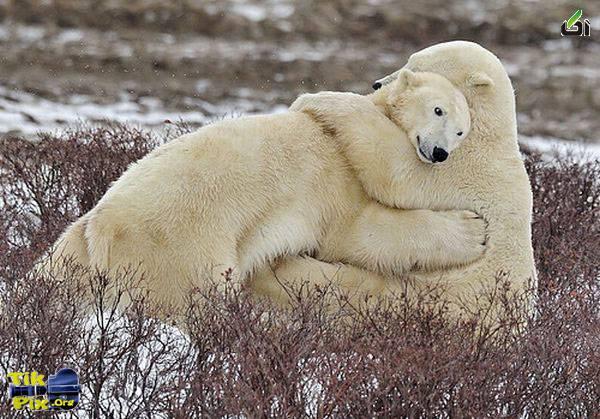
407,78
479,78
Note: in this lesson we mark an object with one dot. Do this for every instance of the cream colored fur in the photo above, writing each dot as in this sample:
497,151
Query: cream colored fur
245,192
486,175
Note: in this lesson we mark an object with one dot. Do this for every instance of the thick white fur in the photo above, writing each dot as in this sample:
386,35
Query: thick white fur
242,193
486,175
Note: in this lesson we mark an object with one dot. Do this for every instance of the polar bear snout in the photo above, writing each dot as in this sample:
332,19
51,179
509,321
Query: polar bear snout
428,152
439,155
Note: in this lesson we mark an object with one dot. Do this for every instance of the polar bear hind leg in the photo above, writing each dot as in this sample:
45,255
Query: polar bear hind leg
172,263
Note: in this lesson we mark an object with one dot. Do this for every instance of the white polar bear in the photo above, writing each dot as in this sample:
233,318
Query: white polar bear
486,175
241,193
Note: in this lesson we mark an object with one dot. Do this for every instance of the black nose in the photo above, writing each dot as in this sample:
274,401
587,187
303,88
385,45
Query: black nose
439,154
376,85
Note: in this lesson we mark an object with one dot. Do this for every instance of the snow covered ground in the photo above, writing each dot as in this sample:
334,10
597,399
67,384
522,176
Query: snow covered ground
25,113
549,147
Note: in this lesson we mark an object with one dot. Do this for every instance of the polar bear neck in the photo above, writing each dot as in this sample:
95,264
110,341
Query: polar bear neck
379,99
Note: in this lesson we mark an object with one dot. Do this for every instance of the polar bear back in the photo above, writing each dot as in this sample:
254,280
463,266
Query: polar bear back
234,194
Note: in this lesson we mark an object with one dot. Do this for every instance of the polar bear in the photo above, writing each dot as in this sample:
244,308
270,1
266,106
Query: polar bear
486,175
238,194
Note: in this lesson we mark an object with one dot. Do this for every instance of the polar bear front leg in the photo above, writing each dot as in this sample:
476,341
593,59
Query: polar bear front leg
393,241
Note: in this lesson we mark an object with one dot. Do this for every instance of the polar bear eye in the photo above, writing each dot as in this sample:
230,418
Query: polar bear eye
438,111
459,133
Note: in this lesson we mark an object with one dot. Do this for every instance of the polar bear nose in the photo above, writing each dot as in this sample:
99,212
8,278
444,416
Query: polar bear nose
439,154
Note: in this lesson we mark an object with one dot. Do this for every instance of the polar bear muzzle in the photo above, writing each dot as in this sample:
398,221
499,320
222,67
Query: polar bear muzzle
437,155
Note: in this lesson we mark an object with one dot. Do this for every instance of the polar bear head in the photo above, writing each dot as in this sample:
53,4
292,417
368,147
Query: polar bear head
433,112
480,76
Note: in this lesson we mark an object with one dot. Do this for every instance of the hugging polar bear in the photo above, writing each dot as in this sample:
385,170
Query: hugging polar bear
239,194
486,175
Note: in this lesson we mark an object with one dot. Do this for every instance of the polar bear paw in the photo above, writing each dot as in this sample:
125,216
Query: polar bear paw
462,241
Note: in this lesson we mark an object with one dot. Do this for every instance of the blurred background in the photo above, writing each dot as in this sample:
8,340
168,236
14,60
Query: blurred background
151,62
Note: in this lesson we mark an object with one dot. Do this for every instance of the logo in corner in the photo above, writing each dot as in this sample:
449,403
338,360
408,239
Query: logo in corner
30,390
573,26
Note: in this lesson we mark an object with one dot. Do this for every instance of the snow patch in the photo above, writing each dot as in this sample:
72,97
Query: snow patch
551,147
252,12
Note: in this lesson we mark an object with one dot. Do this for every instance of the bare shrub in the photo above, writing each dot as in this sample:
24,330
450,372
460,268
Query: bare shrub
244,357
